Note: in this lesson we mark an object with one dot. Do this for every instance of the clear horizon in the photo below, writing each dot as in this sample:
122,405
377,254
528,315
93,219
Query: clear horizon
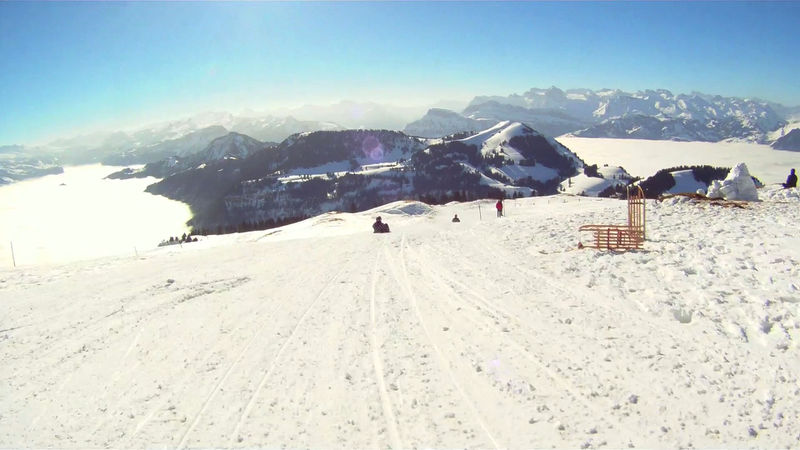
77,67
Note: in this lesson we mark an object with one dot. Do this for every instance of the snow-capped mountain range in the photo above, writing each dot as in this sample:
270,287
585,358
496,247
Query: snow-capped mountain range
650,114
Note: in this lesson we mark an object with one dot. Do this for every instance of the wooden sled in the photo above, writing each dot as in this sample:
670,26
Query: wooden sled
621,237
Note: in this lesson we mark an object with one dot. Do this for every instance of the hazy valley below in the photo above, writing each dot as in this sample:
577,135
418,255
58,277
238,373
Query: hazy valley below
81,215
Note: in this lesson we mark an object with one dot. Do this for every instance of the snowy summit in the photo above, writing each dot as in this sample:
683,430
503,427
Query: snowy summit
491,333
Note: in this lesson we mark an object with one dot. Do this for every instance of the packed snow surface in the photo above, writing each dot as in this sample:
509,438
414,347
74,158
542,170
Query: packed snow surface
488,333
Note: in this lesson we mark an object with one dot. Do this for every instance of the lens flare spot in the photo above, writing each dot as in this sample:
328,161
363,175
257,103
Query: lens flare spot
372,148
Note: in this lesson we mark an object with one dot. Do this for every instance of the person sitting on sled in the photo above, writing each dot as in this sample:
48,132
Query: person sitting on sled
379,226
791,180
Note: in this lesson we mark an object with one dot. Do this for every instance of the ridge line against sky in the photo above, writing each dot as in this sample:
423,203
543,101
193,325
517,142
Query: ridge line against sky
69,67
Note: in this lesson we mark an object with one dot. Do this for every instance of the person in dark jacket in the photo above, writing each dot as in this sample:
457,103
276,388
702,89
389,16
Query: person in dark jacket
456,219
791,180
379,226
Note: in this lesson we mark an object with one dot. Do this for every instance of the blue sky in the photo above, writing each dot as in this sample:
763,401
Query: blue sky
71,67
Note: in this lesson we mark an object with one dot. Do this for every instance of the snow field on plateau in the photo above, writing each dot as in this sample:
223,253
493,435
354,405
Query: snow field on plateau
644,158
492,333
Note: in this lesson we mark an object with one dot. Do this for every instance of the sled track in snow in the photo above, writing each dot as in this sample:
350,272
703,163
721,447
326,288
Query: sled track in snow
573,293
207,356
386,403
404,281
481,303
117,374
586,292
249,407
216,388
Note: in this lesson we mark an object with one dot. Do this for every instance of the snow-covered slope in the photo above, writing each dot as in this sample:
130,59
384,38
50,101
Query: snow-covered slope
791,141
498,139
686,182
550,121
612,176
489,333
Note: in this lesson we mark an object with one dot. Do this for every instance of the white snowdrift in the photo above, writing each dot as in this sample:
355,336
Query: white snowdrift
738,185
489,333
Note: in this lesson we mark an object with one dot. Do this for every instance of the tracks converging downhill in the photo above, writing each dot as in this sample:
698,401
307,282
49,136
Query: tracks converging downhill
234,435
377,360
400,272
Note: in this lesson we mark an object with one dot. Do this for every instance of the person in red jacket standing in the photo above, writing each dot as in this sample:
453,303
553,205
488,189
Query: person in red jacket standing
499,206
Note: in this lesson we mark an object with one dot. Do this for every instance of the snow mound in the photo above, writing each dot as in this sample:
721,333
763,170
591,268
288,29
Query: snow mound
406,208
776,193
738,185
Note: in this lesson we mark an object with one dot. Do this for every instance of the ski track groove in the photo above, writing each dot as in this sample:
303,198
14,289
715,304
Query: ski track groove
386,403
573,391
646,320
116,376
216,388
589,294
166,400
152,412
405,284
562,381
38,416
248,408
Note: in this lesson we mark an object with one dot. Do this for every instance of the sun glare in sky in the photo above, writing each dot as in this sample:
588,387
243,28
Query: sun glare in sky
69,67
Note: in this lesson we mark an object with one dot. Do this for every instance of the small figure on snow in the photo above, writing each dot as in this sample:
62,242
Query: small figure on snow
456,219
791,180
379,226
499,206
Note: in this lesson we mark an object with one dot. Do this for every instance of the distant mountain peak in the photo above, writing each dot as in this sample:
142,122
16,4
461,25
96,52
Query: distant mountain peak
439,122
614,113
232,145
790,141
